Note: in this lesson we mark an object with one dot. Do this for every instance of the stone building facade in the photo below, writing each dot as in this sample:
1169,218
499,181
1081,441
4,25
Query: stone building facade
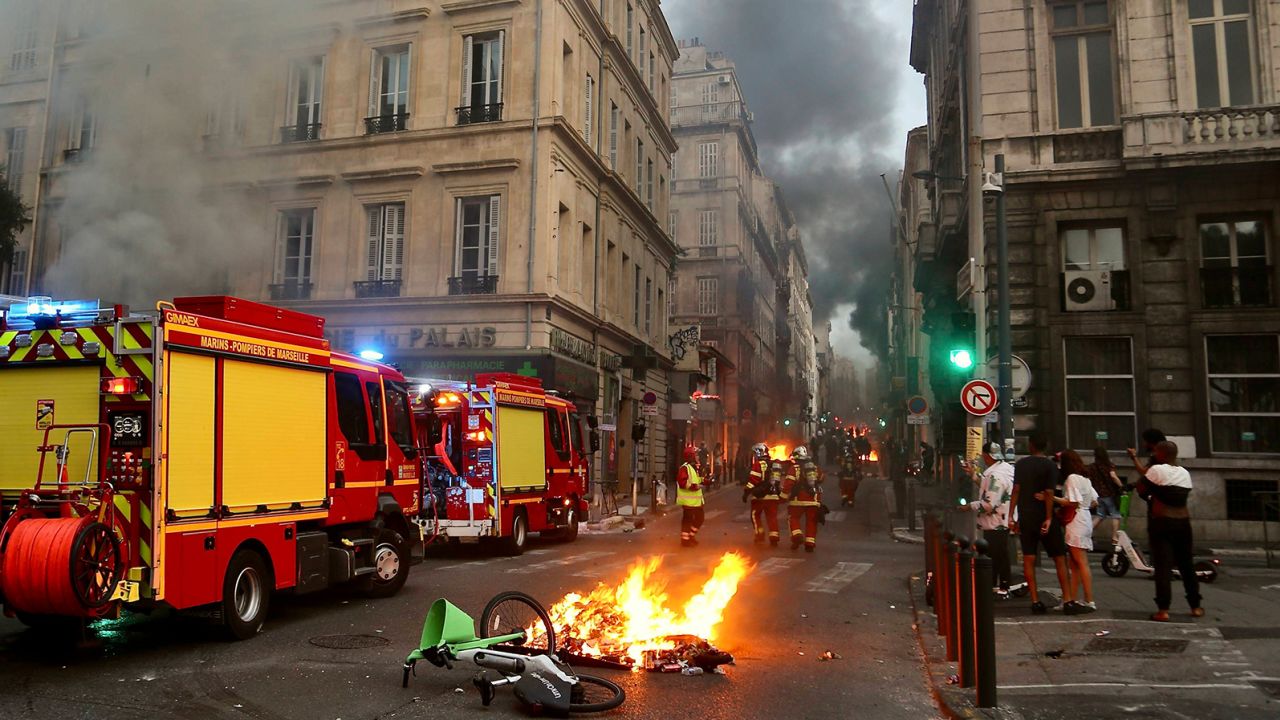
1142,141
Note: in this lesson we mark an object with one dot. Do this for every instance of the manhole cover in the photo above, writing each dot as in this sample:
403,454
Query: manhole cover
1134,646
348,642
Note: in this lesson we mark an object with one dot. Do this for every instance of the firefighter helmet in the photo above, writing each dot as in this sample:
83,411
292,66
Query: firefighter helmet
760,450
800,454
690,453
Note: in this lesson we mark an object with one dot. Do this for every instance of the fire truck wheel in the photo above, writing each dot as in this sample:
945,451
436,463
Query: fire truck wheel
246,593
519,537
391,566
570,531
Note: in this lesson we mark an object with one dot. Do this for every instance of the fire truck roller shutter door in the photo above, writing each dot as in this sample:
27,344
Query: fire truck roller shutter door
273,436
71,393
190,397
522,459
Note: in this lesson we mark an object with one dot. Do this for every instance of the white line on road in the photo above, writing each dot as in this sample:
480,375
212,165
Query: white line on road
559,562
835,579
773,566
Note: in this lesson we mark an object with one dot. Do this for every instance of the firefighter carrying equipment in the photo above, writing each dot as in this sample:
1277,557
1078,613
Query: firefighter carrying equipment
765,488
805,505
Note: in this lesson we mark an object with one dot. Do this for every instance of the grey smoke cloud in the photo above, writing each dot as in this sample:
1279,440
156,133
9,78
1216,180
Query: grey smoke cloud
822,77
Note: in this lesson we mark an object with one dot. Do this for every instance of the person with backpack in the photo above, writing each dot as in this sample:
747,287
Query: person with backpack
1106,484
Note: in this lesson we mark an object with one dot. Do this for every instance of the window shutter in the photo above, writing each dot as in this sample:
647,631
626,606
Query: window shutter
457,237
467,49
613,137
373,261
495,231
588,120
282,245
498,58
393,244
373,84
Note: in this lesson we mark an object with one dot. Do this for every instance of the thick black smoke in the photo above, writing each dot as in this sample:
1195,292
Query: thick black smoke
822,77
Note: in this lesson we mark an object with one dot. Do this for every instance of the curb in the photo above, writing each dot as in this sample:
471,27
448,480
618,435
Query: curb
927,665
905,536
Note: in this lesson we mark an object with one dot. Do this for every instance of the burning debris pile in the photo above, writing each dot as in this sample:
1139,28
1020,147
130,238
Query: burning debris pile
631,623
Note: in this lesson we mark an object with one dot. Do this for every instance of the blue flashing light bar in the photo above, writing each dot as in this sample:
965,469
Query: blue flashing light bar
372,355
43,312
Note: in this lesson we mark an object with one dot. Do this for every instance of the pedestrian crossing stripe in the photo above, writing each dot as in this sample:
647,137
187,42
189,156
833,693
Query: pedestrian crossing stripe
559,562
837,578
773,566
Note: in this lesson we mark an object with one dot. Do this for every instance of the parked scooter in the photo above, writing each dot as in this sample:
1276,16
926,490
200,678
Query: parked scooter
1126,555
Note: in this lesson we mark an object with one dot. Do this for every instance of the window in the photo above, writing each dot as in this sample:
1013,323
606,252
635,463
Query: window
648,306
1235,266
662,308
482,78
1222,48
306,83
639,57
588,116
15,144
17,279
399,418
293,268
375,411
711,93
708,232
672,217
635,298
648,183
24,36
1100,392
1243,504
639,188
613,136
631,22
352,418
1093,250
388,90
708,160
1083,67
1244,393
479,230
224,120
557,432
708,296
651,70
84,132
385,256
673,294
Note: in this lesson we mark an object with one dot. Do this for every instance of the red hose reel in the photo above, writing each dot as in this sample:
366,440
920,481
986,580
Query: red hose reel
59,566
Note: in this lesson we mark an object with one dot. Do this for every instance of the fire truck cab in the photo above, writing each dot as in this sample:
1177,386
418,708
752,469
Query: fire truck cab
503,457
202,455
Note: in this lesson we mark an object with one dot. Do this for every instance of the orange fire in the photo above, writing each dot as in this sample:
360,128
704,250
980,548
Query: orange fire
873,457
780,452
625,620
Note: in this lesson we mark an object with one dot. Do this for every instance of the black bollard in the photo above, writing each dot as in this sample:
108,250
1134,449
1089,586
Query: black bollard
941,562
964,610
984,627
953,627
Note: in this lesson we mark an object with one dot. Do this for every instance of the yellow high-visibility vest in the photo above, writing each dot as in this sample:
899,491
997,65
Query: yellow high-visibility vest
690,496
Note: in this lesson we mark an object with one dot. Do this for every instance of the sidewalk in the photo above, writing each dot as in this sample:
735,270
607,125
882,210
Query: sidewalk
1116,662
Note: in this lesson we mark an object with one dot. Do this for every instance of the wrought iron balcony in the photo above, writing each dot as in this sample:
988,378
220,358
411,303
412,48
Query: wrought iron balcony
473,285
377,288
470,114
301,132
291,290
385,123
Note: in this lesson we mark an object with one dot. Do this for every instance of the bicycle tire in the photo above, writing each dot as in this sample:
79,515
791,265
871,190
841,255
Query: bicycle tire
617,698
487,619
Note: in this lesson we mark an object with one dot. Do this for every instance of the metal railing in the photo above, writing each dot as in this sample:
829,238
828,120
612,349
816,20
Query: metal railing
473,285
377,288
294,290
471,114
301,132
385,123
709,113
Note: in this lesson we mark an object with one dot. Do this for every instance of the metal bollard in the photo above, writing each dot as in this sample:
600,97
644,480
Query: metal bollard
984,627
940,594
953,622
964,609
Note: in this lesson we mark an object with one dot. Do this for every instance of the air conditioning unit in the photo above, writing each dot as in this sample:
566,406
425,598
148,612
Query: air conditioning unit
1086,290
724,79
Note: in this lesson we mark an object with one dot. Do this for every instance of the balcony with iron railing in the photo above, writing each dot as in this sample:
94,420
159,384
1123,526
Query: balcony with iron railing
385,123
473,285
720,112
478,113
291,290
301,132
377,288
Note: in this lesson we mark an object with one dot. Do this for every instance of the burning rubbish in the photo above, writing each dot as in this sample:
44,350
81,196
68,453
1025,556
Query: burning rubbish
631,623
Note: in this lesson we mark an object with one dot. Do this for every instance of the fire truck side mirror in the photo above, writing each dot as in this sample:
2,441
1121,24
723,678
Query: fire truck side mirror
594,439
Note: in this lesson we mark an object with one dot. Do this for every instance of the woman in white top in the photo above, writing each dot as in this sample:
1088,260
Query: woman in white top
1078,495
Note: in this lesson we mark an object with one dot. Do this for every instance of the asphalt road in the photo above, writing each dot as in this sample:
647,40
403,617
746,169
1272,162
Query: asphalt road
849,597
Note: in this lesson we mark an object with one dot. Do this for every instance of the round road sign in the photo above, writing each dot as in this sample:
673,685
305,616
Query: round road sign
978,397
649,398
917,405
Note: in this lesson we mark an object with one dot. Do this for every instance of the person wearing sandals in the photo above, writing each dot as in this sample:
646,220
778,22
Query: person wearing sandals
1073,508
1165,486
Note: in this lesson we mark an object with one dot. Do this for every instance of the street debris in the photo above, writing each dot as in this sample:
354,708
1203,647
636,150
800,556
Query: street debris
1102,633
953,679
1054,654
829,655
458,691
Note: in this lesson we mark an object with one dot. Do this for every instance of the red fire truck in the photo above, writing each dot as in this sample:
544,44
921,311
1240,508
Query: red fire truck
504,458
203,455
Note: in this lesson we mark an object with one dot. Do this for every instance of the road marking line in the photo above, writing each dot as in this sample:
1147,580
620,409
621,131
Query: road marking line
835,579
558,562
773,566
616,569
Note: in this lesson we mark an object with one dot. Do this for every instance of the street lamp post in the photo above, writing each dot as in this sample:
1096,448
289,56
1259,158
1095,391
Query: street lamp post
1004,340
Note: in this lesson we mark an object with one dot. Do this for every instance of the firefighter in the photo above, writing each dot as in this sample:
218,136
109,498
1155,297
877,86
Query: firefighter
804,499
850,478
689,497
763,488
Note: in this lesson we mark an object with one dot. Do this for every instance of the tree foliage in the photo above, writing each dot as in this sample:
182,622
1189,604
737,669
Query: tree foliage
14,218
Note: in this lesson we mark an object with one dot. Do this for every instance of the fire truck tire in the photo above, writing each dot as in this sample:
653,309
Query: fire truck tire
570,531
391,565
515,543
246,594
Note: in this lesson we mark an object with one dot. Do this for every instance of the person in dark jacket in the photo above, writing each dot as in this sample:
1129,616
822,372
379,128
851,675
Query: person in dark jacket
1166,486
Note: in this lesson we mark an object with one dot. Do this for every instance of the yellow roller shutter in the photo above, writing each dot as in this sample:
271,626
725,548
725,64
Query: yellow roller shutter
190,397
72,393
522,461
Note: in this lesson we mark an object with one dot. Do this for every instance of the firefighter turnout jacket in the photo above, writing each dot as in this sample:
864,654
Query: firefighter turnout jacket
806,486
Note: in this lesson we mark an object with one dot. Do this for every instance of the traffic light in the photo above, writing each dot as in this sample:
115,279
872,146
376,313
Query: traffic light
786,422
962,341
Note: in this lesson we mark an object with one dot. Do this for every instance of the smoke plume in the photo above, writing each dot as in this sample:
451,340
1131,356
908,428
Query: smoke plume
822,77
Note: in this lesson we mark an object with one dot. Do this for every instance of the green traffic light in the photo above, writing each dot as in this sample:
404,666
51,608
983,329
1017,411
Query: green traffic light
962,358
786,422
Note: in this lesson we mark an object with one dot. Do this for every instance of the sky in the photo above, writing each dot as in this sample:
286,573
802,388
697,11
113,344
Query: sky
833,96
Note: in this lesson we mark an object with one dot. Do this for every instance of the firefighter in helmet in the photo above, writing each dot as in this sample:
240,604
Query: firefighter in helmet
689,497
850,477
764,488
804,499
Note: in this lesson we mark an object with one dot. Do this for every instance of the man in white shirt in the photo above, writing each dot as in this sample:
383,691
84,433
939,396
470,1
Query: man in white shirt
991,506
1165,486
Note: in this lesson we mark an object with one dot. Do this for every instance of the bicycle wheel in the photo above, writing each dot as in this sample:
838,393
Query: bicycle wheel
510,612
595,694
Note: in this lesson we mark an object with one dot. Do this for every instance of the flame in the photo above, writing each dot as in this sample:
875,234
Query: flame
780,452
625,620
873,457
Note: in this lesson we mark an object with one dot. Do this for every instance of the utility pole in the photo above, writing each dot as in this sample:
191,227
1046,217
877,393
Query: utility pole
1005,378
